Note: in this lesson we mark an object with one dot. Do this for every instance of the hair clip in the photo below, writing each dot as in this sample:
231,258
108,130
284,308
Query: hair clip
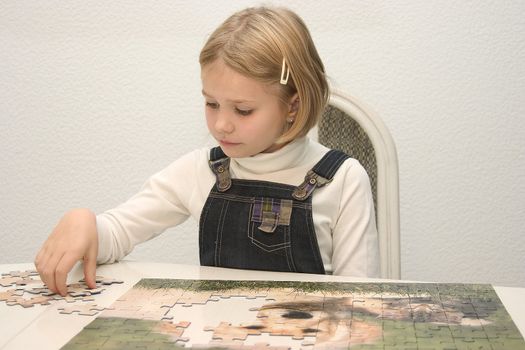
284,80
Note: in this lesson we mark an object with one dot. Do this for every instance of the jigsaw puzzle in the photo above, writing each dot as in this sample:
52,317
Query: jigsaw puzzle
28,290
207,314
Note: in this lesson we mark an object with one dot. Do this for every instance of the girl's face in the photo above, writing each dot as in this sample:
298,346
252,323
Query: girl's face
245,116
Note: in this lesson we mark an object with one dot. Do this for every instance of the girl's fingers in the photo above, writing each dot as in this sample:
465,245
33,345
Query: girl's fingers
62,269
38,258
74,238
48,268
90,267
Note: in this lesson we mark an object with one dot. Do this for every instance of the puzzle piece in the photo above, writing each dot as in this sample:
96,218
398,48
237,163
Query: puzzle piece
174,330
38,300
20,278
43,296
246,293
89,309
40,290
23,281
21,274
296,332
228,333
105,281
200,298
142,303
9,281
10,294
82,290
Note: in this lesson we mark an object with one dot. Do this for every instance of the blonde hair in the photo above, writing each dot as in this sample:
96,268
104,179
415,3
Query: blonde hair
254,43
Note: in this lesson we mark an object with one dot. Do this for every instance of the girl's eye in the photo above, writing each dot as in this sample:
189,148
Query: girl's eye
243,112
212,105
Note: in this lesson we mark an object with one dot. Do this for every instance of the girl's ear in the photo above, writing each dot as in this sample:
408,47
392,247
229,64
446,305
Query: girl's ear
293,106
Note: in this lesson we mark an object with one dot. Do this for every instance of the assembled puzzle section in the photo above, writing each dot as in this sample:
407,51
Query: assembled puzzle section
205,314
25,289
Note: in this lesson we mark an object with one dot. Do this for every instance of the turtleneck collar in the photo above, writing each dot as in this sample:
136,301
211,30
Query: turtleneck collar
263,163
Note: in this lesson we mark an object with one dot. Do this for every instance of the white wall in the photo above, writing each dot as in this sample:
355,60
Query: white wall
96,96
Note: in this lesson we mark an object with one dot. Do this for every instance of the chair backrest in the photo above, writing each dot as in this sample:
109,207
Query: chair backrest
351,127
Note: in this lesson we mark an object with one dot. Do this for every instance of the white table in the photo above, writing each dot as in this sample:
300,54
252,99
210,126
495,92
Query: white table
43,327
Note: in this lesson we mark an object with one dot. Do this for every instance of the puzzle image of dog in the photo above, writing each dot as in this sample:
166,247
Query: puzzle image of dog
303,315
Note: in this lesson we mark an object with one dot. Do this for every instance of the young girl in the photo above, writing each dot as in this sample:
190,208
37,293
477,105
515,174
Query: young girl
268,198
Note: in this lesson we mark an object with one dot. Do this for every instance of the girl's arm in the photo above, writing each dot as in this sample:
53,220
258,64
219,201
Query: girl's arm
73,239
355,238
167,199
80,235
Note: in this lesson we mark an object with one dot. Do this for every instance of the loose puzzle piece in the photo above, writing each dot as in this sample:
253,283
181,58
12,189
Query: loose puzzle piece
8,281
10,294
20,278
105,281
21,274
41,295
38,300
82,290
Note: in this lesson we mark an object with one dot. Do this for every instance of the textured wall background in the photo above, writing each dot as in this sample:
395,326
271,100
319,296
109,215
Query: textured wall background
96,96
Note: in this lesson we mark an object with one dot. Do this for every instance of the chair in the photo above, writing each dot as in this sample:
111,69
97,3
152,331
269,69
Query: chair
351,127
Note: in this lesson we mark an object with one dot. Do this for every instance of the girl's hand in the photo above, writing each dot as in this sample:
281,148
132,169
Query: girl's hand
74,238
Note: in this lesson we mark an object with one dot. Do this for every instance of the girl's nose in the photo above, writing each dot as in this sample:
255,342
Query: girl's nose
223,123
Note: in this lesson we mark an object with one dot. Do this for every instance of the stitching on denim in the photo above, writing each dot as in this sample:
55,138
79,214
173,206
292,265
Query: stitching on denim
289,251
330,167
218,244
334,158
330,163
233,197
265,247
284,246
242,199
262,184
313,241
335,164
322,164
206,210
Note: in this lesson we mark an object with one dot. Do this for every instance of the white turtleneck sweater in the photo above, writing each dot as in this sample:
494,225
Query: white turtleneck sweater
343,210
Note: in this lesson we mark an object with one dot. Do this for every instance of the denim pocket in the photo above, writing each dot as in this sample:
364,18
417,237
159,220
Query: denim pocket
270,223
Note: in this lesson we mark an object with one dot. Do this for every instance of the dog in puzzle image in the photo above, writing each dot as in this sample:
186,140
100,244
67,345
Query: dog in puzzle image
342,322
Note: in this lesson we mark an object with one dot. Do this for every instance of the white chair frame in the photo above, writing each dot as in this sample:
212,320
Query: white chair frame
387,180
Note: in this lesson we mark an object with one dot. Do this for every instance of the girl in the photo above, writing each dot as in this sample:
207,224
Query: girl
268,198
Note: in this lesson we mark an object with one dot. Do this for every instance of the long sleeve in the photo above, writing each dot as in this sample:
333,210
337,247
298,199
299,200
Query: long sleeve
354,232
167,199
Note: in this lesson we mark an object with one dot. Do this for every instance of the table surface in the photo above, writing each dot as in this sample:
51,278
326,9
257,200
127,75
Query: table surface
43,327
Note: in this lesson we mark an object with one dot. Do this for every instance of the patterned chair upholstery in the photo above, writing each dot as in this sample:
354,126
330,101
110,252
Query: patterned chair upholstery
339,131
351,127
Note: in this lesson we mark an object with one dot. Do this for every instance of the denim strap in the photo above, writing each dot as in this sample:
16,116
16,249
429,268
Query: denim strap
321,174
217,153
220,165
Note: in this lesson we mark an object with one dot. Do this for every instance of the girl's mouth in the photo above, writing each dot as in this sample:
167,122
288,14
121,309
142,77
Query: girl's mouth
228,143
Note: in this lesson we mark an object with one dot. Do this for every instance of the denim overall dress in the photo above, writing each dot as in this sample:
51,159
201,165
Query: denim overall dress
262,225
